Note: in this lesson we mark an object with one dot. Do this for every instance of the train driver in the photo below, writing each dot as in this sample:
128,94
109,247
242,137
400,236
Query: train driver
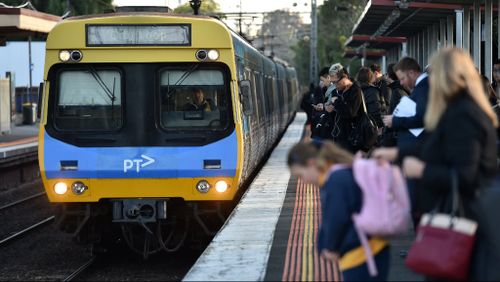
199,102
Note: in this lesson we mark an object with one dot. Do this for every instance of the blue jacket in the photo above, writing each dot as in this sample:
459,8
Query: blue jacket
420,96
340,198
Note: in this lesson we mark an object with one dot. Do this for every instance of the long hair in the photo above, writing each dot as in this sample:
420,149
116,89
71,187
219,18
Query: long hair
327,155
453,72
364,75
331,154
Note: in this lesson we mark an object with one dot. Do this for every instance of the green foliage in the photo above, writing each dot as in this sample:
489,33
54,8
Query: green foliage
302,62
207,7
58,7
334,27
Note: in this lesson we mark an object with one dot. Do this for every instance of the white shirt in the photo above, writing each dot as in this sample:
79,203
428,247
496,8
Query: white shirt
421,77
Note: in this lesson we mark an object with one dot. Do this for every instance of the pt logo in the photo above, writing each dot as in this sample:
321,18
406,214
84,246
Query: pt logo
129,164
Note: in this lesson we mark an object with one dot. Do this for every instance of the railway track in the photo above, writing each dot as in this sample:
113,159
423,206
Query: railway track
26,230
81,269
23,200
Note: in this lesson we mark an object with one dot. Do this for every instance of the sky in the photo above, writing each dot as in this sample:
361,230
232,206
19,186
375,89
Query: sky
250,26
14,56
230,5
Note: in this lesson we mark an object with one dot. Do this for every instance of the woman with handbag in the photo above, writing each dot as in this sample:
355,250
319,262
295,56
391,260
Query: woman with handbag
458,155
341,197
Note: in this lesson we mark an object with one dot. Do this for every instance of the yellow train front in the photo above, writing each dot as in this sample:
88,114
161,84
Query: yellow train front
152,121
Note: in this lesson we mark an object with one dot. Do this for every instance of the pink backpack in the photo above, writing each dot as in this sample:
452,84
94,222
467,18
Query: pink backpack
386,207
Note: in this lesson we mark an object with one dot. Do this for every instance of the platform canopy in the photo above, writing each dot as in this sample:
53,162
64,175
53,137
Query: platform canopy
403,18
368,53
376,42
19,23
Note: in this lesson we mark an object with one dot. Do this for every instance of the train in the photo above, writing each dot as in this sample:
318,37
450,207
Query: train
151,123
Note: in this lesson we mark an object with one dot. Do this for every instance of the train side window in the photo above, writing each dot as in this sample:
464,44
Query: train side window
89,100
246,97
260,94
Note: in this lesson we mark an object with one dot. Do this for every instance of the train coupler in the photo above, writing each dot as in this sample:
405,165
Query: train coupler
139,210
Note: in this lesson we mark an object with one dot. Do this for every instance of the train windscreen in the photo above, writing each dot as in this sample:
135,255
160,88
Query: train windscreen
89,99
193,98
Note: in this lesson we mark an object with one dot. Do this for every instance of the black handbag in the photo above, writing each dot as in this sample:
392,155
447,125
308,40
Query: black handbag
364,132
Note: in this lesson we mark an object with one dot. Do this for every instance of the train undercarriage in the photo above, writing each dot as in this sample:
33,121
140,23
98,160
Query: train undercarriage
147,226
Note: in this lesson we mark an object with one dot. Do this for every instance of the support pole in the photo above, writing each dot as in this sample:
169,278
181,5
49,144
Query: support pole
449,33
384,64
31,70
435,37
466,28
430,50
418,48
498,29
476,36
313,71
404,51
459,15
488,38
442,34
410,47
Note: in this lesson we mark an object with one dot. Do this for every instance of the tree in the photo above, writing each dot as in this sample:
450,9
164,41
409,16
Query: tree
207,7
279,32
59,7
336,18
301,60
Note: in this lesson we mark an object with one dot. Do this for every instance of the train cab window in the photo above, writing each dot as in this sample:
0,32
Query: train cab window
193,99
89,100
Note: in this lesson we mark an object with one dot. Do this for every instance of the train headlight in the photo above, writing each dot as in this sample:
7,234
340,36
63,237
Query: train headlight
64,55
60,188
221,186
203,186
78,188
213,55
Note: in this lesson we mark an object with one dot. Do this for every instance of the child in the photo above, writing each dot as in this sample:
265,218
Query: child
330,167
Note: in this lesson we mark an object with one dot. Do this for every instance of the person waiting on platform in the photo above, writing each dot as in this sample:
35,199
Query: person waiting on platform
199,102
381,82
347,106
461,142
397,91
373,97
341,197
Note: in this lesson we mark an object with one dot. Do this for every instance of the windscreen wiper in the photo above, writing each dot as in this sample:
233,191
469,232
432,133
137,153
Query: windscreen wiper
181,79
109,93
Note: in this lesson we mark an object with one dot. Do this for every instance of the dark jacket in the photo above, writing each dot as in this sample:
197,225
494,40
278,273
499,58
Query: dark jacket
340,198
464,140
206,105
374,103
384,91
318,96
348,109
390,135
401,124
397,91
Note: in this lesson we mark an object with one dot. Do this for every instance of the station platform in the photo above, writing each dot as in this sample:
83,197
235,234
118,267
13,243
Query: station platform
21,140
271,234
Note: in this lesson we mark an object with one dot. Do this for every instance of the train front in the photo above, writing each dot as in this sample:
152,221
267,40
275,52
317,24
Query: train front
138,126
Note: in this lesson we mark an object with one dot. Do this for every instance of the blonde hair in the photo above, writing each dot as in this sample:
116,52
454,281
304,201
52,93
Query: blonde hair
331,154
452,73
